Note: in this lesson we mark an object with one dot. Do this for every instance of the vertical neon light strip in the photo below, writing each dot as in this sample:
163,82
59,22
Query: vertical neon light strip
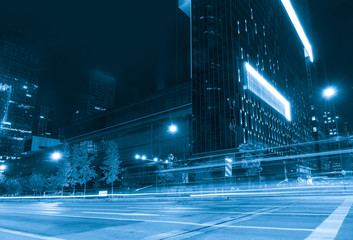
298,27
267,86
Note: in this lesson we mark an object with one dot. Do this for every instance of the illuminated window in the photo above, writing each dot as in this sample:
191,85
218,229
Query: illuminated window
264,90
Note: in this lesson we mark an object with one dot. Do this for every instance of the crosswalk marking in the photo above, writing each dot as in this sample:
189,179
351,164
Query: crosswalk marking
329,228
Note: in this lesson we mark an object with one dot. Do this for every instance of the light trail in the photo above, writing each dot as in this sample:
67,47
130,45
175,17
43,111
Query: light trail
280,158
195,193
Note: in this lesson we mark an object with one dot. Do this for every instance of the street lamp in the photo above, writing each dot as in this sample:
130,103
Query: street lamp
329,92
2,168
56,156
172,128
155,160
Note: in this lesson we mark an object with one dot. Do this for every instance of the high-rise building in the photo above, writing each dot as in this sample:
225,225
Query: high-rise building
43,123
19,76
99,96
249,74
330,131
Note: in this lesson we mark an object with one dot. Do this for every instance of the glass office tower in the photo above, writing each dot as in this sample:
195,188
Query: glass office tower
249,75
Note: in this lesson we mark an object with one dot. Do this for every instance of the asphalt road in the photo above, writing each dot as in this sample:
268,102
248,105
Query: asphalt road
248,217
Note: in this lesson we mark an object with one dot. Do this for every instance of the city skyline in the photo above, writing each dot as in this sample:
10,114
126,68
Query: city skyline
176,119
119,45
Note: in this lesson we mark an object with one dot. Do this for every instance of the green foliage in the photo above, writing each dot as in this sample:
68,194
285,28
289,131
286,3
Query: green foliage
166,177
13,187
80,161
36,182
111,165
251,157
2,178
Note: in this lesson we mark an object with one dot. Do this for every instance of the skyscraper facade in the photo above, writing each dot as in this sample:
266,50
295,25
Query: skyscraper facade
19,76
249,74
43,123
99,96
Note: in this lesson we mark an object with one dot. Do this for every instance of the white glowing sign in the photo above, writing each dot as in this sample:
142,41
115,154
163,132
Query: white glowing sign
298,27
264,90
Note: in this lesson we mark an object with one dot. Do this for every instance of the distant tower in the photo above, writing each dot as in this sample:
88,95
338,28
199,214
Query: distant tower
43,126
19,76
100,96
330,130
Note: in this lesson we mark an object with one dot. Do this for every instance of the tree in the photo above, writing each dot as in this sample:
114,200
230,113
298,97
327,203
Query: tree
2,178
62,177
13,187
36,183
252,153
2,183
111,165
82,171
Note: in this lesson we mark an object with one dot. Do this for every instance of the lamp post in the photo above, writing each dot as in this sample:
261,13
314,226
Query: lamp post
173,129
329,93
154,160
2,168
56,156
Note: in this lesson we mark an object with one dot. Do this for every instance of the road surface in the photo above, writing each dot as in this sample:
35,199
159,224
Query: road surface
247,217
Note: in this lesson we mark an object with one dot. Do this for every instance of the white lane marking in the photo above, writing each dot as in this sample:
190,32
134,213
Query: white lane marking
124,214
329,228
246,213
28,234
163,235
226,222
185,236
186,223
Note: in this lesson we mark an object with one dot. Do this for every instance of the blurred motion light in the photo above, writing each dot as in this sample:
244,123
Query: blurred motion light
56,156
229,160
2,167
143,157
137,156
155,159
166,161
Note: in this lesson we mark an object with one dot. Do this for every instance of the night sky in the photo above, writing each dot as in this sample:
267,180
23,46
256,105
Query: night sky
136,42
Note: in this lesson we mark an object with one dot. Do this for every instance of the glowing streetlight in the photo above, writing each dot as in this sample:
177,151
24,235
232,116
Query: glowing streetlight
3,167
56,156
329,92
143,157
172,128
137,156
155,159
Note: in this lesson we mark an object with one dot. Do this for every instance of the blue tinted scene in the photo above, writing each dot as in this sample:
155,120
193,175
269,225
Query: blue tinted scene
176,119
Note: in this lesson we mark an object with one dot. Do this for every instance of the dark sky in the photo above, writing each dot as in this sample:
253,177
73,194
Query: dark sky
332,41
136,41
